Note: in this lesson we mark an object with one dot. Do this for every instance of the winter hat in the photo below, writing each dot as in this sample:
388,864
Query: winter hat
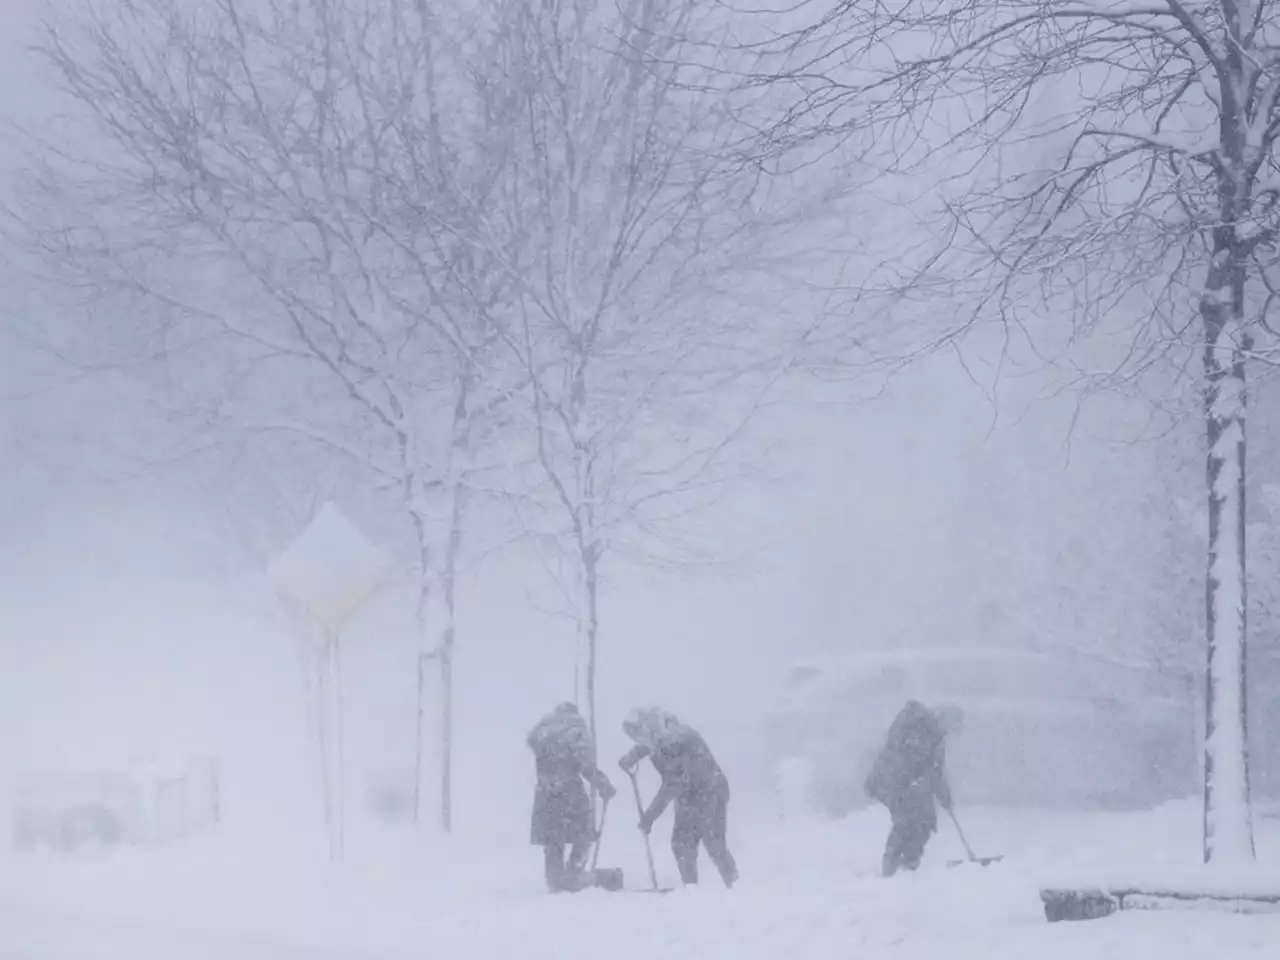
633,725
650,726
561,723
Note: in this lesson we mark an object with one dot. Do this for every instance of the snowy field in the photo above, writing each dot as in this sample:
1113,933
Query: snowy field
809,891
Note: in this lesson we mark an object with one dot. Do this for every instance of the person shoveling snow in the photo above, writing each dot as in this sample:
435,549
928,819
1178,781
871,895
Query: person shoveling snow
693,779
564,756
907,775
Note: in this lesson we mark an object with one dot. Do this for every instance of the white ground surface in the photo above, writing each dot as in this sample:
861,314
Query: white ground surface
808,892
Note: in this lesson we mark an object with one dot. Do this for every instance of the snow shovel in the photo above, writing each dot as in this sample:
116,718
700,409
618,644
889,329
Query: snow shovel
607,878
983,861
648,847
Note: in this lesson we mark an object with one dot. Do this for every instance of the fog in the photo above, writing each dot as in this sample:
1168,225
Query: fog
171,422
139,625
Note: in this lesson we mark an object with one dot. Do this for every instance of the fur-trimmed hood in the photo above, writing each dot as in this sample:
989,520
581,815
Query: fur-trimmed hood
654,727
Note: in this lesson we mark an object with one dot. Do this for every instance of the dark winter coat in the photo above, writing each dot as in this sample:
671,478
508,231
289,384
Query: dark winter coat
910,769
564,757
689,771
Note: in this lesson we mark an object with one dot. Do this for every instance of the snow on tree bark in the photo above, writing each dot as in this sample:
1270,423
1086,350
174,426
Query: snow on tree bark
1228,830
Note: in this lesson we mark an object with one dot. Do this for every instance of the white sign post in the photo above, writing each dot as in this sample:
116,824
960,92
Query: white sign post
329,571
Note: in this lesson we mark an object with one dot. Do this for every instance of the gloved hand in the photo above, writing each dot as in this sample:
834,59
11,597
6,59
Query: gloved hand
646,823
627,768
608,790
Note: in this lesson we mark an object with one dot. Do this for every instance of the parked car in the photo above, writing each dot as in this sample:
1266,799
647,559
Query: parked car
1047,729
95,812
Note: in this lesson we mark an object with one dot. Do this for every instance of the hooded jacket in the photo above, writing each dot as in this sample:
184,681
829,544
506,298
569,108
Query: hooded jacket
682,758
564,757
911,766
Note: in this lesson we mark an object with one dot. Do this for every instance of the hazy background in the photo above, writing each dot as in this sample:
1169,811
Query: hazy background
136,618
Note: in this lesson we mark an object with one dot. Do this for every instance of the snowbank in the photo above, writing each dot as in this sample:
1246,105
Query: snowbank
809,891
1222,882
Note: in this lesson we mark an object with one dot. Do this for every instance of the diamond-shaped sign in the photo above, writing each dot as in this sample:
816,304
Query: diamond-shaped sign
330,569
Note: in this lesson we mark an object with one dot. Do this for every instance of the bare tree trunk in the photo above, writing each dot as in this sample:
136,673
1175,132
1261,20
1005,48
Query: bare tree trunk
1228,829
459,448
338,708
424,655
446,735
588,636
448,636
420,700
417,509
591,627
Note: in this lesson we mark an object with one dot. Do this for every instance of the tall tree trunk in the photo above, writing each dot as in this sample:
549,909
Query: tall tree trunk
1228,828
339,746
419,721
590,547
424,657
446,734
448,635
459,449
591,629
459,452
588,633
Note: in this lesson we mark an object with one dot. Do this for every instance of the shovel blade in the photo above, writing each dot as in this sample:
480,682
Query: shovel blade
981,861
607,878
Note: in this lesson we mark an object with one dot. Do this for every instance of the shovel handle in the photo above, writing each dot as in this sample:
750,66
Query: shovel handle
648,847
959,832
595,854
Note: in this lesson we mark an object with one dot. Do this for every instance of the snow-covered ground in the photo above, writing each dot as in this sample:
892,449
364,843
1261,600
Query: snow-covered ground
809,891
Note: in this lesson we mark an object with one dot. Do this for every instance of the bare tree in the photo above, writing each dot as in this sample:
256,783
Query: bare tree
642,369
1156,176
479,253
289,186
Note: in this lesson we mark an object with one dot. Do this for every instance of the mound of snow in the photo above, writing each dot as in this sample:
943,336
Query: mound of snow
809,891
